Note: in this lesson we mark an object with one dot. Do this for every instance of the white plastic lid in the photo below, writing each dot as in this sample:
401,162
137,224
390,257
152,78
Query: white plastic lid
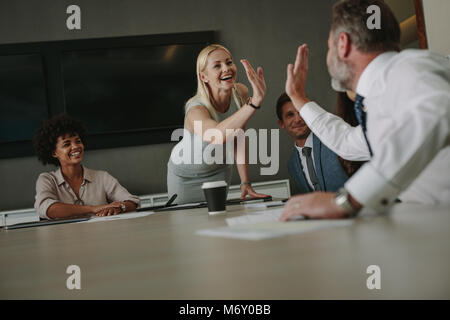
214,184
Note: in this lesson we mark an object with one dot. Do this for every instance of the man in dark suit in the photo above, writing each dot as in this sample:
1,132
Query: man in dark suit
312,165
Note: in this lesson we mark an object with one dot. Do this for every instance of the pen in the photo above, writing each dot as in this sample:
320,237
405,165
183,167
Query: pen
172,199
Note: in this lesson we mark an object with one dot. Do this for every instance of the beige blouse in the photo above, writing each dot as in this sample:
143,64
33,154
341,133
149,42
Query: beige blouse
98,188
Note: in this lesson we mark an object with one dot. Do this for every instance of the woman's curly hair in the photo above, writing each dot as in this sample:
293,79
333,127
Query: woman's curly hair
46,137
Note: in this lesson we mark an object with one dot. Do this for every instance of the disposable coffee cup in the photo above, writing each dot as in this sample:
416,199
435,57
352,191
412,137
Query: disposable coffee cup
216,195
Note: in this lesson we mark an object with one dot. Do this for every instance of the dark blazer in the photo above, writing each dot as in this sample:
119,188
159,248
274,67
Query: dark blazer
329,171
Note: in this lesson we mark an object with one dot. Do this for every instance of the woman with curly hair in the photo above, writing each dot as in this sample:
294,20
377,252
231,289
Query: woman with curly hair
73,189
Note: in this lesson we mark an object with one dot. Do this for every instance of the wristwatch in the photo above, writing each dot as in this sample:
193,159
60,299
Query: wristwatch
342,200
123,208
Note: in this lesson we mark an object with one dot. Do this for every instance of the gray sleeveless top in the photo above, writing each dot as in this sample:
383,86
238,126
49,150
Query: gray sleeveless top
199,163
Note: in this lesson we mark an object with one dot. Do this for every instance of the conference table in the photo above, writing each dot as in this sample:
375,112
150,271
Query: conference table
161,256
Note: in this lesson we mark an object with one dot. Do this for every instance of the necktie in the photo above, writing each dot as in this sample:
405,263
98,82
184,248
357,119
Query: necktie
312,173
361,117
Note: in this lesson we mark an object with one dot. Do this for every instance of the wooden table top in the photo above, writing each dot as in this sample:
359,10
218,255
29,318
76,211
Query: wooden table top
161,257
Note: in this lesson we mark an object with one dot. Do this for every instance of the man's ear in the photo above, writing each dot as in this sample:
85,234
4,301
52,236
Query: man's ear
281,124
344,45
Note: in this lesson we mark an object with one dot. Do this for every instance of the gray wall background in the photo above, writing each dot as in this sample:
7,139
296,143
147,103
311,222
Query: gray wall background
266,32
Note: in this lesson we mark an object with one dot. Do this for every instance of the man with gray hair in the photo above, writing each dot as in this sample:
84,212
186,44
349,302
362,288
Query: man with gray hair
405,121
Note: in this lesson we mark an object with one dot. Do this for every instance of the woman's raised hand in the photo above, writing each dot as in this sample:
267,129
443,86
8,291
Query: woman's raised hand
257,81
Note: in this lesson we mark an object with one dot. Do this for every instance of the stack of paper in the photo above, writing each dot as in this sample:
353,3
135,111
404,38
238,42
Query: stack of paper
257,217
268,204
265,225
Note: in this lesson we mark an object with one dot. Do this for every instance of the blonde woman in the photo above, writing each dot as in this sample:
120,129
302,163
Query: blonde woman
210,108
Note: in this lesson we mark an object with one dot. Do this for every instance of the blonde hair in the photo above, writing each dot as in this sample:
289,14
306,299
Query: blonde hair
202,90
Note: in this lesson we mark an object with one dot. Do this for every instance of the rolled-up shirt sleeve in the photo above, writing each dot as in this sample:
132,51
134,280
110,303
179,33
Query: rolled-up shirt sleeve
46,194
116,192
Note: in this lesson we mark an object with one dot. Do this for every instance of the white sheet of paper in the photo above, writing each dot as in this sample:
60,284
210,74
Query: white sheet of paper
259,216
267,230
122,216
187,205
268,204
256,217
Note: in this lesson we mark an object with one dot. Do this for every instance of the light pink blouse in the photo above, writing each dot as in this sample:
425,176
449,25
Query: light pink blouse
98,188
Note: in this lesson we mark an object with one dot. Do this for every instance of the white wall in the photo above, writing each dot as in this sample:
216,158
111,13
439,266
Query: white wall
437,25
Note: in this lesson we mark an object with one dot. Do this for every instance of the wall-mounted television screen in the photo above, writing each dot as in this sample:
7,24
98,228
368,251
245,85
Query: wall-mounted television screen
23,101
145,87
127,91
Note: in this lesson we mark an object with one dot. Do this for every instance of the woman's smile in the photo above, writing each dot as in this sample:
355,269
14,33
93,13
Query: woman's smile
69,149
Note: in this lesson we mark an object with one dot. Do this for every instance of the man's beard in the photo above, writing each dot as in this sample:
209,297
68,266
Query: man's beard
341,74
337,85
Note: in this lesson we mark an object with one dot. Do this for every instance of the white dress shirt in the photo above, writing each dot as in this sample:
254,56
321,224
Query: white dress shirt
346,141
308,143
407,100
